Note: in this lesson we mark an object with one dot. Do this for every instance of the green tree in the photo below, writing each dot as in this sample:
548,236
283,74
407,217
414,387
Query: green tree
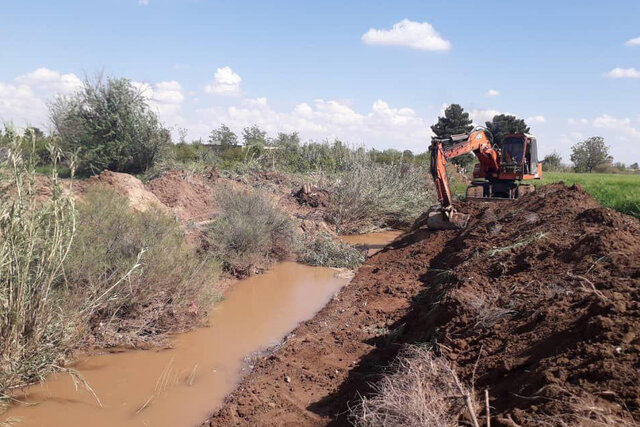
588,154
504,124
223,136
287,141
455,121
254,136
552,162
110,125
634,166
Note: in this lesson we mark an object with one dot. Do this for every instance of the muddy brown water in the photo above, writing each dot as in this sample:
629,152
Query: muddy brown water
181,386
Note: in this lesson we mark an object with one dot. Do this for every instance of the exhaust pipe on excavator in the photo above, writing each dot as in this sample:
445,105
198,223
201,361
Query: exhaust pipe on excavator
439,218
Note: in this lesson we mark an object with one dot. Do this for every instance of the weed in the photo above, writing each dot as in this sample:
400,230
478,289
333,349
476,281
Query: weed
250,231
35,239
421,390
374,195
323,250
518,244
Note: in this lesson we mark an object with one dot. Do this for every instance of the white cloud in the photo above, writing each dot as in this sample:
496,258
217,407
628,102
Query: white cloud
225,82
577,121
416,35
23,100
623,125
49,80
492,92
165,98
623,73
633,42
480,116
143,2
535,119
256,102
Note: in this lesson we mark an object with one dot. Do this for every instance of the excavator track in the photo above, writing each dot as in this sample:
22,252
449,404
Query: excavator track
483,192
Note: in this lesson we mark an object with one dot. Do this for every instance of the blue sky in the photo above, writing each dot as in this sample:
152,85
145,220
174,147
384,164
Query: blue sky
308,66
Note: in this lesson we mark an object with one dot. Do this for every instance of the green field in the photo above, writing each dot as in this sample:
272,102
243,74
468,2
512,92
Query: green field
615,191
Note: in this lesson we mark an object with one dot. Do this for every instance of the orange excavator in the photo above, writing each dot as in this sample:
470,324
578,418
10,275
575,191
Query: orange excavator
499,173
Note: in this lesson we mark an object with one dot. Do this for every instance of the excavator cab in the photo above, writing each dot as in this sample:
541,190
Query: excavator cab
519,156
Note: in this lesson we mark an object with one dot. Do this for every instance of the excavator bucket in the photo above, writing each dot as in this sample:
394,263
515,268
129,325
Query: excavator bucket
439,219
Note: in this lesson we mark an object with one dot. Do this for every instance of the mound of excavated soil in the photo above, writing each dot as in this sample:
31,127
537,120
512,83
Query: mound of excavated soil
130,186
537,301
191,197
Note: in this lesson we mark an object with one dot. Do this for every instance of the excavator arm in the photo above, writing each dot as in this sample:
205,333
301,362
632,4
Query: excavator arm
478,142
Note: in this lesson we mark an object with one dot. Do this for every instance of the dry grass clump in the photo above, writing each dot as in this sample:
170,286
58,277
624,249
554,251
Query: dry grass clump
372,195
35,239
587,410
250,231
323,250
485,306
422,390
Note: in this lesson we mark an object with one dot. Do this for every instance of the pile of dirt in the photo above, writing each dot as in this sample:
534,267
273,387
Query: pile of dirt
189,196
139,197
537,301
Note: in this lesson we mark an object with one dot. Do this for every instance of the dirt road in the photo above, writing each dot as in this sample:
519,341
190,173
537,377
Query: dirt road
537,301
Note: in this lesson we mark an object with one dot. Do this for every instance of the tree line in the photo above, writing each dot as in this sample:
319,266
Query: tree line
108,124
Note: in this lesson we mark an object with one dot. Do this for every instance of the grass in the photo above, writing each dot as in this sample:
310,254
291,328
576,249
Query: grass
620,192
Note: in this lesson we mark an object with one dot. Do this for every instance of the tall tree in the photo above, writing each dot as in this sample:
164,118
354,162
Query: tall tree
254,136
223,136
504,124
109,123
454,122
588,154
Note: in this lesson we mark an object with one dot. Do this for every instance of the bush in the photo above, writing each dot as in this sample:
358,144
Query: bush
169,279
552,163
249,232
374,195
65,274
323,250
422,390
110,126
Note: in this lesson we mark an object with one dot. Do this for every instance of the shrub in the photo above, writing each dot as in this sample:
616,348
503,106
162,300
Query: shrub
102,268
110,126
170,279
374,195
422,390
323,250
250,231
